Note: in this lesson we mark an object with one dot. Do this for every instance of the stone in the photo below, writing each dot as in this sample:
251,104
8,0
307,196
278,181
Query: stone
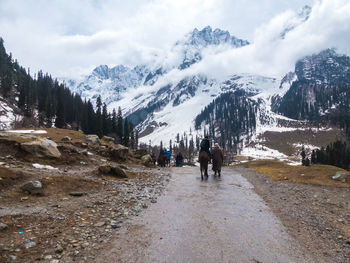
59,249
105,169
114,171
77,194
33,187
92,140
42,148
3,226
14,258
118,152
30,244
99,224
147,160
107,141
66,139
340,176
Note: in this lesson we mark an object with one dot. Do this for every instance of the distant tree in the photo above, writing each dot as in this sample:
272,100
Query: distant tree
126,134
120,125
60,122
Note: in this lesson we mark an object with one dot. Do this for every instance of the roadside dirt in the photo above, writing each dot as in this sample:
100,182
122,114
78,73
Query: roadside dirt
315,215
79,211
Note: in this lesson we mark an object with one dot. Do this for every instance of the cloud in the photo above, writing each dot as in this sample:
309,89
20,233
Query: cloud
67,37
271,55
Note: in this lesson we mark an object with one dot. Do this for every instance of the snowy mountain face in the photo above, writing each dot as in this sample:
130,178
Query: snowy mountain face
111,83
321,84
162,104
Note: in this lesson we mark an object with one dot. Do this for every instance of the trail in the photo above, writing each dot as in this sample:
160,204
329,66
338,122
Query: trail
216,220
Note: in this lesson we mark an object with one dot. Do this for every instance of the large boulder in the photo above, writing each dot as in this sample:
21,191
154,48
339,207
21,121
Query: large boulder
41,147
112,170
33,187
92,140
107,141
147,160
118,152
140,152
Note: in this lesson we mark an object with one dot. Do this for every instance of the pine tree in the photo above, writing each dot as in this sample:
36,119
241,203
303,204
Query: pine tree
120,125
60,122
126,134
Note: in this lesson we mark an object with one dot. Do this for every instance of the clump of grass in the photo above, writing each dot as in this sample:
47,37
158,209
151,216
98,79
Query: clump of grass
315,174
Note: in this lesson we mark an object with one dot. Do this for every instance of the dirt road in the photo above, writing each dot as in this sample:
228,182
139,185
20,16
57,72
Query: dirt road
216,220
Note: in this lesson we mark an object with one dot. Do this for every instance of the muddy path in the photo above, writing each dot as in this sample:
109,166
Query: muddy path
217,220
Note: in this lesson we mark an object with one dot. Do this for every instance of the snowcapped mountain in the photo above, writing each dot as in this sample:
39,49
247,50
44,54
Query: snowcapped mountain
166,98
110,83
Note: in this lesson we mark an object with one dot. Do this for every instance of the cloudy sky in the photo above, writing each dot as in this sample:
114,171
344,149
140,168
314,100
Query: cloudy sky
68,38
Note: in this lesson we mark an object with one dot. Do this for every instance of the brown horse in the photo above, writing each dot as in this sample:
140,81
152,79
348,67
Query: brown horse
203,161
163,160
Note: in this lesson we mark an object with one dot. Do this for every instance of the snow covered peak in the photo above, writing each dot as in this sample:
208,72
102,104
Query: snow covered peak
101,71
207,36
302,16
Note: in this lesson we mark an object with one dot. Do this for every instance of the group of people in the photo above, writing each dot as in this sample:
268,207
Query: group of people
216,155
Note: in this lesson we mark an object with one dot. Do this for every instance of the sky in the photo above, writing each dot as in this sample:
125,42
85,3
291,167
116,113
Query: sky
69,38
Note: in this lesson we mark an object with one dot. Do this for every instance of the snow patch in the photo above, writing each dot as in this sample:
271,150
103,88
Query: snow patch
28,131
261,152
41,166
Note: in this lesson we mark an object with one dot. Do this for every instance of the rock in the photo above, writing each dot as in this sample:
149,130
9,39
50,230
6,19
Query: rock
66,139
3,226
147,160
105,169
107,141
33,187
41,147
14,258
59,249
118,152
348,241
140,152
77,194
99,224
340,176
112,170
118,172
30,244
92,140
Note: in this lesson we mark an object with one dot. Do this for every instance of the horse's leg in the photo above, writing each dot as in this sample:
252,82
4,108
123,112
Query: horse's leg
201,168
206,170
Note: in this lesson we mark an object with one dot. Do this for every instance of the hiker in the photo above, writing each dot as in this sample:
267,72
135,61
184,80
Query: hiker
205,145
218,159
179,159
168,154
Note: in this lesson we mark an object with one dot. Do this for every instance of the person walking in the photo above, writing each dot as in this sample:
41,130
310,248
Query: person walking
218,159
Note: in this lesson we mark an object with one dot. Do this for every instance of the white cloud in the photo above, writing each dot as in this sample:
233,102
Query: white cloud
67,37
270,55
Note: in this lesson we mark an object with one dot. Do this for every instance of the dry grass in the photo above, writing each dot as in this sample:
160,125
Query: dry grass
57,134
280,171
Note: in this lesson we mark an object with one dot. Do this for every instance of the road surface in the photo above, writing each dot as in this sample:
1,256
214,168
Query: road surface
216,220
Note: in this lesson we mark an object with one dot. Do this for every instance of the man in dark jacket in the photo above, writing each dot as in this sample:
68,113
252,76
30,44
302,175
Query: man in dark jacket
205,146
179,159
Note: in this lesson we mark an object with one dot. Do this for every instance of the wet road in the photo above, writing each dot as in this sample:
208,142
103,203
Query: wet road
217,220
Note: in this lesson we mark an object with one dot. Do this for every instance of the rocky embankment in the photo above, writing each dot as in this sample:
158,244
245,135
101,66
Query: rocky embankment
62,199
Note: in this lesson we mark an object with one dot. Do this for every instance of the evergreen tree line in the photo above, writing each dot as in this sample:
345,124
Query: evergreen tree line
336,153
228,117
45,102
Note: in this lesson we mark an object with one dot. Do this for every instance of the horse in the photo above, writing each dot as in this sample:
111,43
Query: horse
203,161
163,160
